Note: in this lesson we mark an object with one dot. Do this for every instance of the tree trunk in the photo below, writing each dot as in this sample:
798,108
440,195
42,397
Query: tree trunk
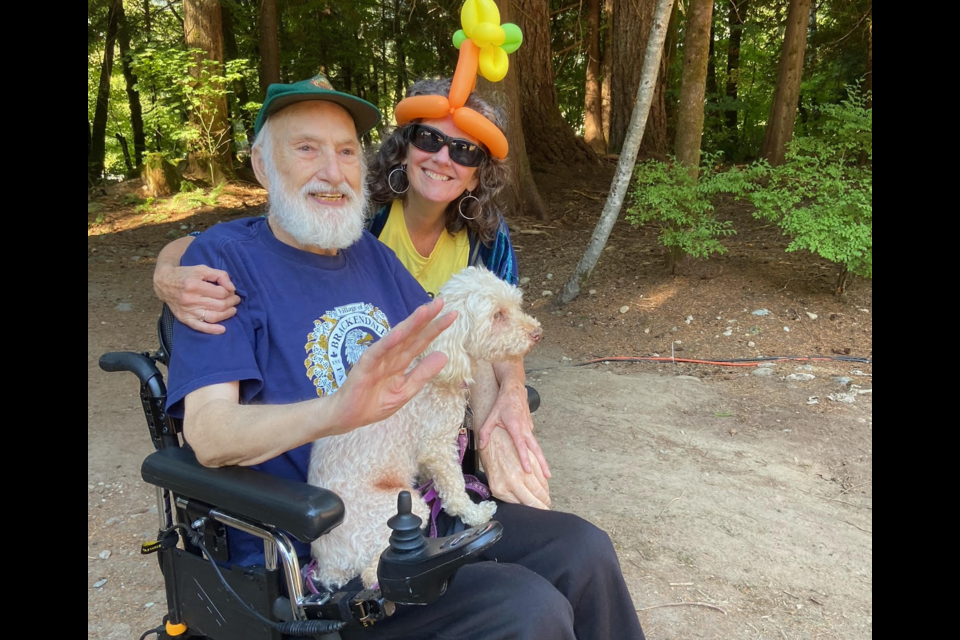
269,46
521,197
696,54
868,76
670,47
133,96
160,177
593,107
607,70
631,24
696,46
549,139
232,52
98,143
868,84
401,57
783,110
711,63
126,151
646,91
203,29
736,20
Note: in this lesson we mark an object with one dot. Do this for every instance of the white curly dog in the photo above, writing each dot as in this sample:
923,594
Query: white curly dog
369,466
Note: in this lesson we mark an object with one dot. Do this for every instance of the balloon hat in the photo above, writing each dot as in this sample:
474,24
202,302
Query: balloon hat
484,44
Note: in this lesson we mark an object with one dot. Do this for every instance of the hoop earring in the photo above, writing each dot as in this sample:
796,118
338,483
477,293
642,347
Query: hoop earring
402,169
460,206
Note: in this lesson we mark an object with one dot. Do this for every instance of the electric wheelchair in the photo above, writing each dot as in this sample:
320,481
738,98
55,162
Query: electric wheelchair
207,597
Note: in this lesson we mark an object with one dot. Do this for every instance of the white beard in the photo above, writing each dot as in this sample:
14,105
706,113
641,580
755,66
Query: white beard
310,223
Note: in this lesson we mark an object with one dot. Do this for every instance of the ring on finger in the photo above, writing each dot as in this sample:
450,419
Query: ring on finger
203,315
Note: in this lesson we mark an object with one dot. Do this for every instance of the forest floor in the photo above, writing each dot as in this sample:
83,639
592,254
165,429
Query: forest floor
739,498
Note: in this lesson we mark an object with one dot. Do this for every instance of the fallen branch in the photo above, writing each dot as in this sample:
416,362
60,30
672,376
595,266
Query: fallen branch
670,503
835,500
585,195
682,604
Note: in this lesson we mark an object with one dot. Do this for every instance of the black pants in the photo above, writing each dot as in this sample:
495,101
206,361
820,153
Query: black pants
552,576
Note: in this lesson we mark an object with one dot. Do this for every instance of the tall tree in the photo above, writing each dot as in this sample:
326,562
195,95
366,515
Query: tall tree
632,20
868,82
398,42
269,45
133,96
97,137
621,180
736,18
593,107
232,52
711,63
607,70
203,29
549,139
521,196
786,94
696,48
696,53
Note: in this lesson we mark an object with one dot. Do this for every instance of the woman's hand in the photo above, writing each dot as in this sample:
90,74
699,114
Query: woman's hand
508,481
199,297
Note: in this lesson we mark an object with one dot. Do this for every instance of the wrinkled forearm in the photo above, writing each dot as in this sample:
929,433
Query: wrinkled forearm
510,373
170,255
222,432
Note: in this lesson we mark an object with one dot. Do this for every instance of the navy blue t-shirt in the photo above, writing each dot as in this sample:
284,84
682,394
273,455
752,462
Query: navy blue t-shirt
302,323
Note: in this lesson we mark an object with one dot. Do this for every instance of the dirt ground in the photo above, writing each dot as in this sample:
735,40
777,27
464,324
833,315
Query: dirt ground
740,504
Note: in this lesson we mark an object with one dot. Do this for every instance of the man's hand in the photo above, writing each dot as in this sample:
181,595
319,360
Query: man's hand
508,481
511,411
379,384
200,297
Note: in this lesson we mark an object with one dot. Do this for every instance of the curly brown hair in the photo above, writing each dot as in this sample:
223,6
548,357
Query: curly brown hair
492,174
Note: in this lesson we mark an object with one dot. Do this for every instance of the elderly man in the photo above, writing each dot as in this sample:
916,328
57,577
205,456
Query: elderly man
247,399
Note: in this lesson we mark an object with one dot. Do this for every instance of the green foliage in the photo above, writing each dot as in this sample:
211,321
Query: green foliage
822,196
132,199
186,186
196,198
189,88
665,193
145,206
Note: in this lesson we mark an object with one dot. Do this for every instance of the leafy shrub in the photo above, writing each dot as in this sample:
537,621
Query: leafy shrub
665,193
822,196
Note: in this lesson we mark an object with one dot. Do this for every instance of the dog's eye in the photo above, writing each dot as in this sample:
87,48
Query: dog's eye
498,315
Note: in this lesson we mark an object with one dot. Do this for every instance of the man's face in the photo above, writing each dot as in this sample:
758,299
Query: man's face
317,141
314,172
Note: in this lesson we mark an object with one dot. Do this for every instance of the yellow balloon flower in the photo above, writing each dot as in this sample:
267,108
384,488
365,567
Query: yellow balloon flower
481,24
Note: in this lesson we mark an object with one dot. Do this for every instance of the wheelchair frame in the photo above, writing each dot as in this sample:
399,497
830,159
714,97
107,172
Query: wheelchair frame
197,504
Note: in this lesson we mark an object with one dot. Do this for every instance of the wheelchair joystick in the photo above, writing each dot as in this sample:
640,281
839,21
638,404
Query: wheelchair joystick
418,570
407,537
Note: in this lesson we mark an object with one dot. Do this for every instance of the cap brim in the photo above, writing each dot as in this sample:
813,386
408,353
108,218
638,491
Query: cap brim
364,114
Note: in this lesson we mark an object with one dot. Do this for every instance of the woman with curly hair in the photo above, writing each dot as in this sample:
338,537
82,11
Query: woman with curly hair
434,187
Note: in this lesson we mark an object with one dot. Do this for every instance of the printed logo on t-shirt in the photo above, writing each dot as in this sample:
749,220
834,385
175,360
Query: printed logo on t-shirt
338,340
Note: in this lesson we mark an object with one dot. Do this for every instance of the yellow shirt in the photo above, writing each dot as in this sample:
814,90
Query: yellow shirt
449,256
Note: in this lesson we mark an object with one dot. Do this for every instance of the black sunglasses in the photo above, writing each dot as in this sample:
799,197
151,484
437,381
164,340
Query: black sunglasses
463,152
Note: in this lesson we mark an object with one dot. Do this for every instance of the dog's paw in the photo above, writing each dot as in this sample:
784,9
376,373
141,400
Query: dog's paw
477,514
369,576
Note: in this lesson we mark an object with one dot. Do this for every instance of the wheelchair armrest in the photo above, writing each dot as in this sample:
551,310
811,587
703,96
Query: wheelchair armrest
533,398
304,511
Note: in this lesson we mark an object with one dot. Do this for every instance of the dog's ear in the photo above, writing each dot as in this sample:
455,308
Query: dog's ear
459,367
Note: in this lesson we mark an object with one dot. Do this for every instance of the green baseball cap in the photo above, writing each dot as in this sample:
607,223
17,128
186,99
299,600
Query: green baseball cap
365,115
